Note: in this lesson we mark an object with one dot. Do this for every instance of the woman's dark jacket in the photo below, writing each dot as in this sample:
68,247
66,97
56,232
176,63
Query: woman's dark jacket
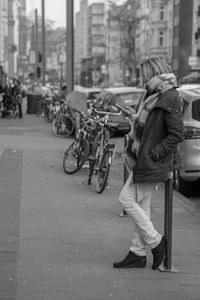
163,130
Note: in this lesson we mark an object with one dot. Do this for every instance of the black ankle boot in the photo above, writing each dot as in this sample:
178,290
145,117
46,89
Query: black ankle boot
158,254
131,261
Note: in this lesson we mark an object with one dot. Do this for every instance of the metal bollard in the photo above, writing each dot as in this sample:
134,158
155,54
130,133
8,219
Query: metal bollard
126,173
167,265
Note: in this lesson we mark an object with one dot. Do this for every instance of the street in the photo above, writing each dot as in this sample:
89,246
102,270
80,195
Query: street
59,238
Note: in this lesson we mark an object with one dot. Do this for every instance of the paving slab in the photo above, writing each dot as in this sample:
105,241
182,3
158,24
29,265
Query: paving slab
59,238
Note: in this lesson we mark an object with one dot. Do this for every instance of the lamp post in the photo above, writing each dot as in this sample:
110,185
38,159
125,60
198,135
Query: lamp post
36,43
43,43
70,45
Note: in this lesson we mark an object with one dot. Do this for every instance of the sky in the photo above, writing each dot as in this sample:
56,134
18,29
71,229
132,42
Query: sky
56,10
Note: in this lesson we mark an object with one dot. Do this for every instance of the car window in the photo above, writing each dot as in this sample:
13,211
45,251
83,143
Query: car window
185,105
92,95
129,98
105,99
196,110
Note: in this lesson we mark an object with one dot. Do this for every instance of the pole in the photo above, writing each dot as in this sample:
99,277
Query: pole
43,44
70,45
36,42
168,218
33,46
167,265
61,73
125,169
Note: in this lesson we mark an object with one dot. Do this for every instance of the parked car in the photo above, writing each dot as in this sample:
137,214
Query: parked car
189,175
124,96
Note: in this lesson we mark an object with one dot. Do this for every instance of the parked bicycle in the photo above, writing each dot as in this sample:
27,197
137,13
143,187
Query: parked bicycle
100,162
63,124
51,107
78,152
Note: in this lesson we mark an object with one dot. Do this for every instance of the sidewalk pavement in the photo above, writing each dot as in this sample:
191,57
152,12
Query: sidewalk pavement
59,238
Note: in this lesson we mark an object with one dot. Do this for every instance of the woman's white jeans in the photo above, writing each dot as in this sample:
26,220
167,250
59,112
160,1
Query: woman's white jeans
135,200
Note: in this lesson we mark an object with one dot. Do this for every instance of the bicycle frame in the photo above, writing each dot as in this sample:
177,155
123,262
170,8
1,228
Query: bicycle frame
103,145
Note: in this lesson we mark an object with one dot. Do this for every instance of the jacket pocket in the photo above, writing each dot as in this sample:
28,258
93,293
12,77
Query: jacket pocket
162,162
146,163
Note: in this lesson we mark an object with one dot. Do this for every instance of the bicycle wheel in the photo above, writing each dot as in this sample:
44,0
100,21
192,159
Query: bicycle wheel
93,159
91,170
62,126
75,156
103,171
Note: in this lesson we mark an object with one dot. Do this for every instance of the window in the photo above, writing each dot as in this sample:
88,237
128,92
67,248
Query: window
98,40
196,110
4,5
97,29
198,11
198,53
161,39
129,98
185,105
161,12
176,10
97,8
96,19
98,50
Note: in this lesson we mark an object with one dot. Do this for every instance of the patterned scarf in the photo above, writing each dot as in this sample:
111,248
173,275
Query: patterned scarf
155,86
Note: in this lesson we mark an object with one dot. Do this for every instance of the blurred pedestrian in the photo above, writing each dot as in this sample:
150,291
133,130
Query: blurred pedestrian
17,96
1,97
7,98
158,128
63,92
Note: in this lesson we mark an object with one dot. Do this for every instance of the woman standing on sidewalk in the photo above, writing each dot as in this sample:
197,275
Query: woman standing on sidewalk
158,128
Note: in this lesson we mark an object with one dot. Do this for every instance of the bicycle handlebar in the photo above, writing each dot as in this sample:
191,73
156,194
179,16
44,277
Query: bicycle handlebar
123,109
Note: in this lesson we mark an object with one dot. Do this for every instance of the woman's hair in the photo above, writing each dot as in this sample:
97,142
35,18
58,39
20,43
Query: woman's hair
154,66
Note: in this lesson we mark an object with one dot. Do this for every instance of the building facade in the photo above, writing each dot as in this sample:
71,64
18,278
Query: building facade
89,43
171,29
97,42
4,34
81,38
154,29
12,35
113,46
166,28
22,62
182,36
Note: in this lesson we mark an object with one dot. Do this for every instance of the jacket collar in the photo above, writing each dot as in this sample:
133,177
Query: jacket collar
166,100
